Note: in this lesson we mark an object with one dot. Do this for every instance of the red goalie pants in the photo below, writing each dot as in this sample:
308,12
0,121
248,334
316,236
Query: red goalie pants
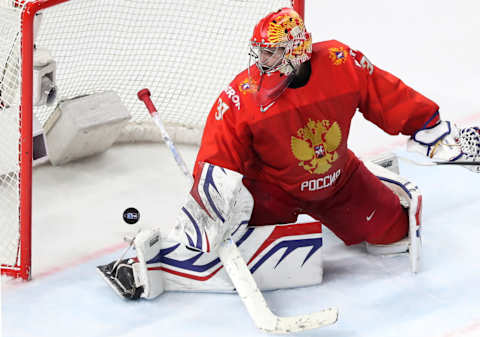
364,209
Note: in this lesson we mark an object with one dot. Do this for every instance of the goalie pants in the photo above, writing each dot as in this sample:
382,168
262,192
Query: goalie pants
364,209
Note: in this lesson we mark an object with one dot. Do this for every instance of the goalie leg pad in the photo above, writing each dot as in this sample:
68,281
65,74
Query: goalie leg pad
398,247
279,256
411,199
147,244
217,204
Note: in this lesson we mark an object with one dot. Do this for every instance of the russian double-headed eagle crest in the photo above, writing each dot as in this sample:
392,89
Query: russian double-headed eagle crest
247,85
338,56
316,145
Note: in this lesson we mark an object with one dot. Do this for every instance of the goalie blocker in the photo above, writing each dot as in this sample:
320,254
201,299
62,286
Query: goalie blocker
280,256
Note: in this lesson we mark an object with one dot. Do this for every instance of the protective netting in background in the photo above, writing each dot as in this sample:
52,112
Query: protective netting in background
186,52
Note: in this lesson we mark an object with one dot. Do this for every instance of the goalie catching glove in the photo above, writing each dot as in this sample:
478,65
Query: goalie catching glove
445,142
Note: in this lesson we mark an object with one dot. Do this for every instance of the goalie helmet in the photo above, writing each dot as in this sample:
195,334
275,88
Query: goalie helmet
279,45
282,36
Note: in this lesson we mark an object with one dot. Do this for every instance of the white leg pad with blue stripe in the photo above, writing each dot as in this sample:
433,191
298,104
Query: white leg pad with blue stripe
410,198
217,204
147,245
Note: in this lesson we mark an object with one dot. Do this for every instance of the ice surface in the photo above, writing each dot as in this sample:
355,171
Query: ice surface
432,46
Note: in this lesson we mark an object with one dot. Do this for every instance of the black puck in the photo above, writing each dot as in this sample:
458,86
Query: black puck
131,215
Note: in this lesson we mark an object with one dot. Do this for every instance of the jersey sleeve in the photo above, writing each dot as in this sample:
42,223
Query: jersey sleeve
226,140
389,103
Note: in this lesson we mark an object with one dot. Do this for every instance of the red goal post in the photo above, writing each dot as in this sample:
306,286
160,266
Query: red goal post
217,24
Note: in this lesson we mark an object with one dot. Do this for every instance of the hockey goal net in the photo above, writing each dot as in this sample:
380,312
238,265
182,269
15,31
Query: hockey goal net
185,51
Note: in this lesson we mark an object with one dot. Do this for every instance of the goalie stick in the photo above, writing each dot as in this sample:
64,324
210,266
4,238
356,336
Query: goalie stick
237,269
437,163
461,163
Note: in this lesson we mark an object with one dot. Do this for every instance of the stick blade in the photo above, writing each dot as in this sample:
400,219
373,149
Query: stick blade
284,325
255,303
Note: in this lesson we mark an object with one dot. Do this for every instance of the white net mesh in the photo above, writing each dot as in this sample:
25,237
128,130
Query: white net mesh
9,140
184,51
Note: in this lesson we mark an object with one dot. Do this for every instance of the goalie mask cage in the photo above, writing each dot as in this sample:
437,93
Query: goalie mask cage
185,51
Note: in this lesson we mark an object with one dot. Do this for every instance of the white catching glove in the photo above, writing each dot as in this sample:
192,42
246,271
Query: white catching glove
216,206
446,142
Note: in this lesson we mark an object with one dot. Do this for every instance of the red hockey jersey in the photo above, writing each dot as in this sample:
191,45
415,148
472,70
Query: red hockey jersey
300,142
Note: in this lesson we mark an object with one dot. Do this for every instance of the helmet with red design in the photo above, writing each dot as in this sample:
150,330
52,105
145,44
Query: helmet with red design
279,45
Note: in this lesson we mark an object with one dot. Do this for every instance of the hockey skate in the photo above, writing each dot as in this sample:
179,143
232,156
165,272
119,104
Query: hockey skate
119,276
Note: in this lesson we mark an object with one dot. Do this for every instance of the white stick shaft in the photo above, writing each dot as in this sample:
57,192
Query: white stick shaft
255,303
130,244
171,146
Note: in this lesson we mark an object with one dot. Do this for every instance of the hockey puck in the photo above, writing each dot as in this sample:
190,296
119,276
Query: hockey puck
131,215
